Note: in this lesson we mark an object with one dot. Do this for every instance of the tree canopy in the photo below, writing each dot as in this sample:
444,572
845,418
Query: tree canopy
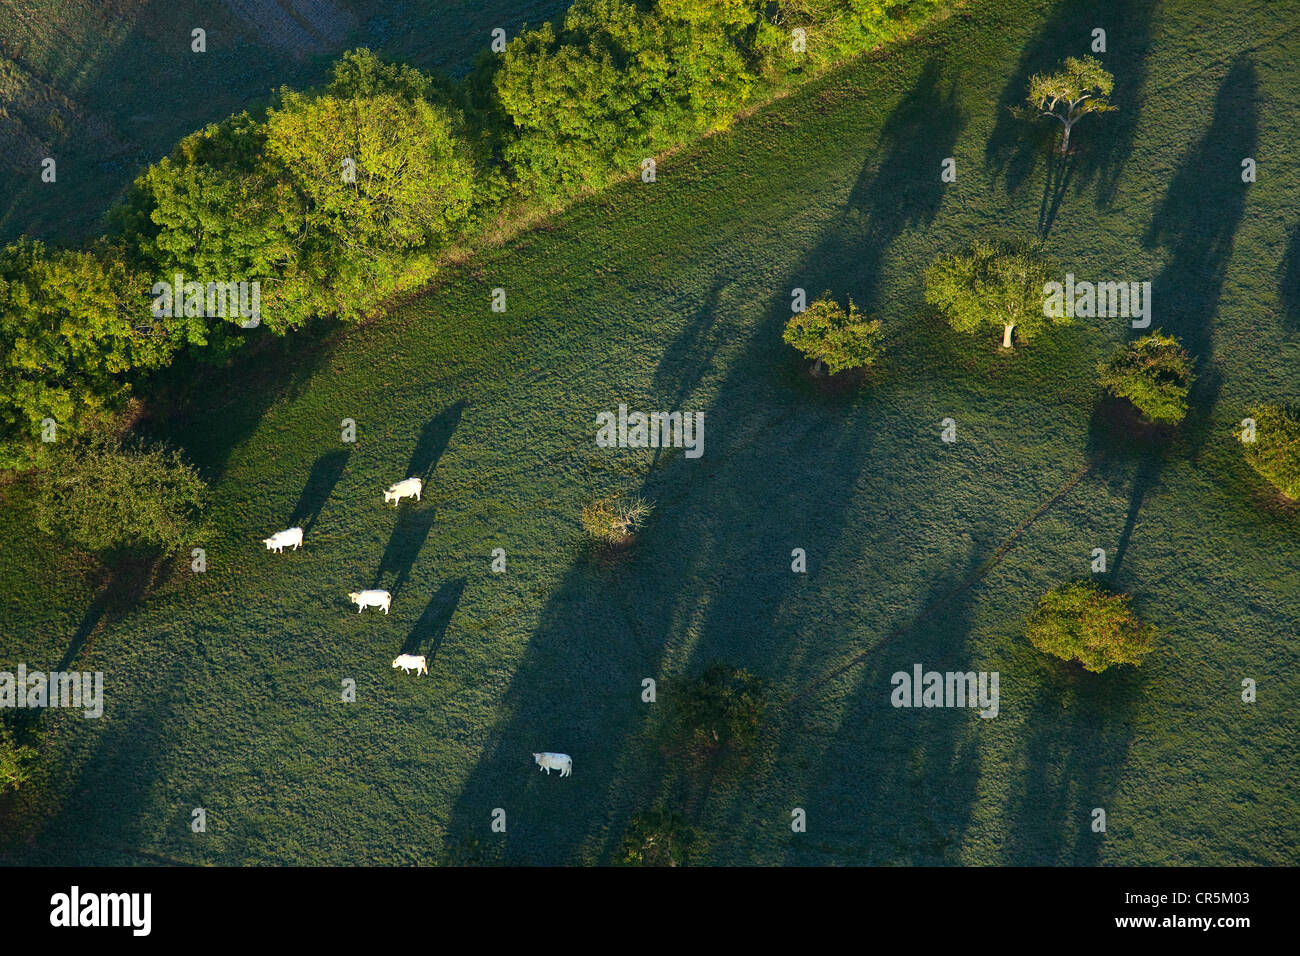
1080,87
995,284
1154,373
1273,448
834,337
1080,622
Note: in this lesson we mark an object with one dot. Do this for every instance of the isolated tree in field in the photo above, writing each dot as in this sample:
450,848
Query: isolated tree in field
995,284
1080,87
833,338
723,707
15,758
104,496
614,520
1272,443
657,837
1080,622
1155,374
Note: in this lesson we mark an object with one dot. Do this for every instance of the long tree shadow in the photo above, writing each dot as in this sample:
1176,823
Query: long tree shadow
325,475
1290,282
893,785
404,544
1101,144
905,189
1079,733
434,438
1197,222
125,580
427,635
778,470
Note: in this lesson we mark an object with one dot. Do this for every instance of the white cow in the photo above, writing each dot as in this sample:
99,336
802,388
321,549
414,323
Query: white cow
560,762
409,662
280,539
409,488
365,599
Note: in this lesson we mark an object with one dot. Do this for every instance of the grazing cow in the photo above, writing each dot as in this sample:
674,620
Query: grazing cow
410,488
409,662
365,599
280,539
560,762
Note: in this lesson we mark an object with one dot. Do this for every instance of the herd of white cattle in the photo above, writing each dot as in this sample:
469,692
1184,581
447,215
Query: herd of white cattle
371,597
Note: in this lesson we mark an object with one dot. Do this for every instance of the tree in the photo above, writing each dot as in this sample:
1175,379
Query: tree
723,707
613,520
996,284
1080,622
1273,446
1079,88
657,837
74,325
833,337
15,759
1155,374
103,496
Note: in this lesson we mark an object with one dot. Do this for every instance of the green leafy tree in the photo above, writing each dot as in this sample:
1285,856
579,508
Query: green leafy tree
657,837
15,759
1155,374
1271,437
1082,86
995,284
723,707
1080,622
835,338
74,327
103,496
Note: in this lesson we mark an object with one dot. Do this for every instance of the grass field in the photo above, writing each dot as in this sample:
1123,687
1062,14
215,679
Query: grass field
106,87
223,688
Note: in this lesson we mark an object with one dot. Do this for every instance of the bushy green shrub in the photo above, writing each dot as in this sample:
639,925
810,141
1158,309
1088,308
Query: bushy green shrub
833,337
15,759
723,706
1154,373
1080,622
657,837
1273,446
104,496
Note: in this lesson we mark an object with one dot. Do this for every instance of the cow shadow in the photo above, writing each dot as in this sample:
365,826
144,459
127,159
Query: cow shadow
427,635
325,475
404,544
433,440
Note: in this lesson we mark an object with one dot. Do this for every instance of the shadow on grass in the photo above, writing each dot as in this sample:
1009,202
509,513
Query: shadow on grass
1290,284
434,438
1197,223
325,474
1100,144
404,544
779,470
427,634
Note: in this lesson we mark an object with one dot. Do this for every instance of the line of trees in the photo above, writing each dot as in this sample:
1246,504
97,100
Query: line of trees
334,200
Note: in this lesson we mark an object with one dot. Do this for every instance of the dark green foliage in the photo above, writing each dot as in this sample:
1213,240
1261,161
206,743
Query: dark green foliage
1081,622
722,707
15,759
103,496
1155,374
1274,451
657,837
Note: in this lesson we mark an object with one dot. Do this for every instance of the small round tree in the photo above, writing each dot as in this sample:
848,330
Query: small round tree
614,520
15,759
1080,622
834,338
105,496
1154,373
1271,435
995,284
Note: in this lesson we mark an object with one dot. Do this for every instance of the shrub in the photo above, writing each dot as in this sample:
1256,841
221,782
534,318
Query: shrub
103,496
657,837
15,759
613,520
1154,373
835,338
1080,622
1275,451
723,707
